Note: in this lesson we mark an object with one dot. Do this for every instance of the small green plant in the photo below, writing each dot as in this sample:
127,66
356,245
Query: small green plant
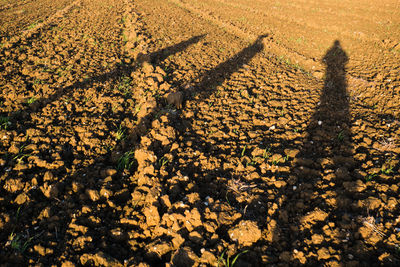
4,122
300,40
114,108
87,99
33,25
124,86
226,262
120,134
37,81
242,19
162,161
243,151
124,38
18,212
17,243
19,158
252,162
370,176
125,162
107,148
67,100
31,100
275,162
387,168
267,153
340,136
137,108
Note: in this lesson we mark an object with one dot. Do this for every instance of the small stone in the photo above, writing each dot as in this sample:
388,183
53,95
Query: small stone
93,194
317,239
207,257
175,98
110,172
165,201
152,215
373,203
292,152
106,193
246,233
21,199
40,250
323,254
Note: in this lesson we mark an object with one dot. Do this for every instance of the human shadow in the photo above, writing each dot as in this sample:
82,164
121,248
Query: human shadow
317,214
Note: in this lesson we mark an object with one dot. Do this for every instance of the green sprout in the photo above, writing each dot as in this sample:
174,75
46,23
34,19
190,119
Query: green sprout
267,153
243,151
387,168
4,122
17,243
227,262
340,136
124,86
33,25
369,177
162,161
120,133
125,162
19,158
31,100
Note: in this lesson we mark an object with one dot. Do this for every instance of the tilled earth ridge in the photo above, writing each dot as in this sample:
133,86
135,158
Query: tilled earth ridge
264,159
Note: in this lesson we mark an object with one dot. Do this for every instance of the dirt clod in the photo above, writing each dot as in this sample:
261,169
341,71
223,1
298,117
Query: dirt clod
176,99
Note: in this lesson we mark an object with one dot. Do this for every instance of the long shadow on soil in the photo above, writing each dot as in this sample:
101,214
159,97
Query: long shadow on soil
325,161
79,181
317,216
175,185
120,71
110,214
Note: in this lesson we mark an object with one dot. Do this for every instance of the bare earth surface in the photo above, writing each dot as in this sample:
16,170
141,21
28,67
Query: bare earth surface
199,132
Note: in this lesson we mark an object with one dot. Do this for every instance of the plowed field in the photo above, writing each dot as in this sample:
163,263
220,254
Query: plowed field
199,133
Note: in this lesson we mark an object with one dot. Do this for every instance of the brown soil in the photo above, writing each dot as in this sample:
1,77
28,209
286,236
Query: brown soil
23,15
184,133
